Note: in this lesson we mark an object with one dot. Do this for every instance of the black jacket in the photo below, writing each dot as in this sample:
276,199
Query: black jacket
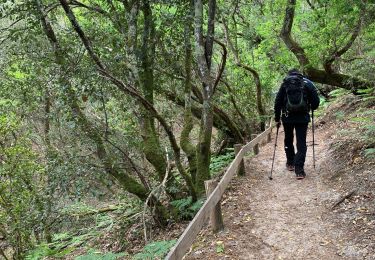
312,99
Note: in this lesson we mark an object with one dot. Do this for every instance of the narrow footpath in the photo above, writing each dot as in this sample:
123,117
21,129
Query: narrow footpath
278,219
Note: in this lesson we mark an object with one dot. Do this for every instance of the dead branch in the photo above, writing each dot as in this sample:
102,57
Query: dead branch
156,192
342,198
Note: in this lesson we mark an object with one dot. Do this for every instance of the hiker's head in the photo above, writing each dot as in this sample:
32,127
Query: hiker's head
294,71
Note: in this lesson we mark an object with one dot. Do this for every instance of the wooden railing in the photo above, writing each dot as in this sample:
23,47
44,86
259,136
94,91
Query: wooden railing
192,230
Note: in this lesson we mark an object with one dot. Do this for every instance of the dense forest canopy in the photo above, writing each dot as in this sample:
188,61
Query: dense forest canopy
129,100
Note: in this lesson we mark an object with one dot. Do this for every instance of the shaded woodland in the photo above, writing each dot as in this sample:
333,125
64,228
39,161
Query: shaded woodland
128,106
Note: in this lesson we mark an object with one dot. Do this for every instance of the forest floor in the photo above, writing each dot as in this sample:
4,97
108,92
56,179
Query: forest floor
296,219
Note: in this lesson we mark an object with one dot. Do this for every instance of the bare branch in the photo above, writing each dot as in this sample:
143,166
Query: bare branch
253,72
310,4
91,8
11,25
221,66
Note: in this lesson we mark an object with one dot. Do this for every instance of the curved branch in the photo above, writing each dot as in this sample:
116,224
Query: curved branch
285,34
233,100
222,64
91,8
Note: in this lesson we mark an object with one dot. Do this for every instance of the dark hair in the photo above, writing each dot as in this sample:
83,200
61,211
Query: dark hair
293,71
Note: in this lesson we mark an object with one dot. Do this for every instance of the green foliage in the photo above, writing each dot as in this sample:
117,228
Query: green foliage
368,95
155,250
38,178
219,247
340,115
21,206
95,255
43,251
364,119
78,208
186,208
340,92
360,120
219,162
370,153
40,252
63,244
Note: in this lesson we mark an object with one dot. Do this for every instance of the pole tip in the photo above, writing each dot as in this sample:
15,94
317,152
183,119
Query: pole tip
270,178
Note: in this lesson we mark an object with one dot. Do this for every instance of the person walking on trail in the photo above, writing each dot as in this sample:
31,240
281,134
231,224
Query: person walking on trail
296,97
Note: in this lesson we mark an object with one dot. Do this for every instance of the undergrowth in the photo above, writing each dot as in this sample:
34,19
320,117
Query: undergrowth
155,250
219,162
186,208
77,216
67,243
357,115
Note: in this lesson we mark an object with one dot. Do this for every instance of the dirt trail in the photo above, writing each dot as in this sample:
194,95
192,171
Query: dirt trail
278,219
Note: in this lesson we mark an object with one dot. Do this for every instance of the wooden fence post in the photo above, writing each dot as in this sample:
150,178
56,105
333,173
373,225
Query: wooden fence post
241,167
216,218
269,136
256,147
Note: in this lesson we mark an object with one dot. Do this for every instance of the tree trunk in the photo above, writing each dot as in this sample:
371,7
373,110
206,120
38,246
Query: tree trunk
141,74
203,54
151,142
185,141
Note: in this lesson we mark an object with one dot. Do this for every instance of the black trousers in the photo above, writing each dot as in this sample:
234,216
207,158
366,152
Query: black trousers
292,158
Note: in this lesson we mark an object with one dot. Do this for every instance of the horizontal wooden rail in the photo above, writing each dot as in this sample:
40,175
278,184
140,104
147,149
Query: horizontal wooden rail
192,230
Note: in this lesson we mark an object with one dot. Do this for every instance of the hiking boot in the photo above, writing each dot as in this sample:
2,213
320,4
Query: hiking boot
290,167
300,173
300,176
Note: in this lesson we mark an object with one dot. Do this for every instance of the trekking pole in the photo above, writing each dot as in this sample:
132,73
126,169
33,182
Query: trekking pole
312,120
274,151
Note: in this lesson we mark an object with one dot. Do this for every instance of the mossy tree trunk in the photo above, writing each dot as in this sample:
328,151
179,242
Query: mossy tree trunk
185,141
203,53
142,76
151,146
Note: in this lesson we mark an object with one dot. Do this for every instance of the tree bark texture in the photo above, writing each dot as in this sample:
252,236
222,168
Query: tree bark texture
203,54
185,141
142,76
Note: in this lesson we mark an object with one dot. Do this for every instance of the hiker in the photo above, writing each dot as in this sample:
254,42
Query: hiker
296,97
